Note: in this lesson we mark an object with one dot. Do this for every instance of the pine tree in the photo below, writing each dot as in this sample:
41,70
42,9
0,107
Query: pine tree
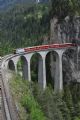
69,101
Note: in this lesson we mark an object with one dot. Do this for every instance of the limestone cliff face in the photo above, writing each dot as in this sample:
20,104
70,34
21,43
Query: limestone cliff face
54,31
65,31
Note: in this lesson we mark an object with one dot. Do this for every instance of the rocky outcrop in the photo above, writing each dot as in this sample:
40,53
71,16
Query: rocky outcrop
65,31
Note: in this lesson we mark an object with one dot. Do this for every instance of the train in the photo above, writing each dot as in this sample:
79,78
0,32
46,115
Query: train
43,47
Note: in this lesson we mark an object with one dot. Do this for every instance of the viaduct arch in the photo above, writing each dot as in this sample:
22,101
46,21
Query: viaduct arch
11,65
26,58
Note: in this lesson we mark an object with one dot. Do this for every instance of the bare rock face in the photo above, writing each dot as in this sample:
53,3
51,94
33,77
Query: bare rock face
69,68
54,30
65,31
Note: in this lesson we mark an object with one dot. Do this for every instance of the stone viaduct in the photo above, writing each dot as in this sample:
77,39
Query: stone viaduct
42,51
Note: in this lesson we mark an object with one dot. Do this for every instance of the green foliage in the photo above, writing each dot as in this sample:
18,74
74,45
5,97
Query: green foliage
72,99
23,93
63,8
23,26
19,65
63,105
50,103
47,105
75,89
34,67
32,107
69,101
27,27
76,118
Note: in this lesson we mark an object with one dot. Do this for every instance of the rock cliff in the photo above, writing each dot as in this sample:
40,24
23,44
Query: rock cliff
67,31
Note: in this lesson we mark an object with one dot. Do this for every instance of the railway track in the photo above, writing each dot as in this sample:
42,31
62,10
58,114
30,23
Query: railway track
8,109
4,110
1,116
1,105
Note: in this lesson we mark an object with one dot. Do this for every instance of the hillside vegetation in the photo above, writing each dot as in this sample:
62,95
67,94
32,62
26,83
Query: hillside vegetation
35,104
23,26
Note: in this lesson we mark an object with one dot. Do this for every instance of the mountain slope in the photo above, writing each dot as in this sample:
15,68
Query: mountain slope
23,26
6,3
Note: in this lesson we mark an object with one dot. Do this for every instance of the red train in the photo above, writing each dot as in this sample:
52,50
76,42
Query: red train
44,47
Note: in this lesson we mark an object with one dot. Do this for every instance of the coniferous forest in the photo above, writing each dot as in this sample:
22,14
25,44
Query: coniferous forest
25,25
